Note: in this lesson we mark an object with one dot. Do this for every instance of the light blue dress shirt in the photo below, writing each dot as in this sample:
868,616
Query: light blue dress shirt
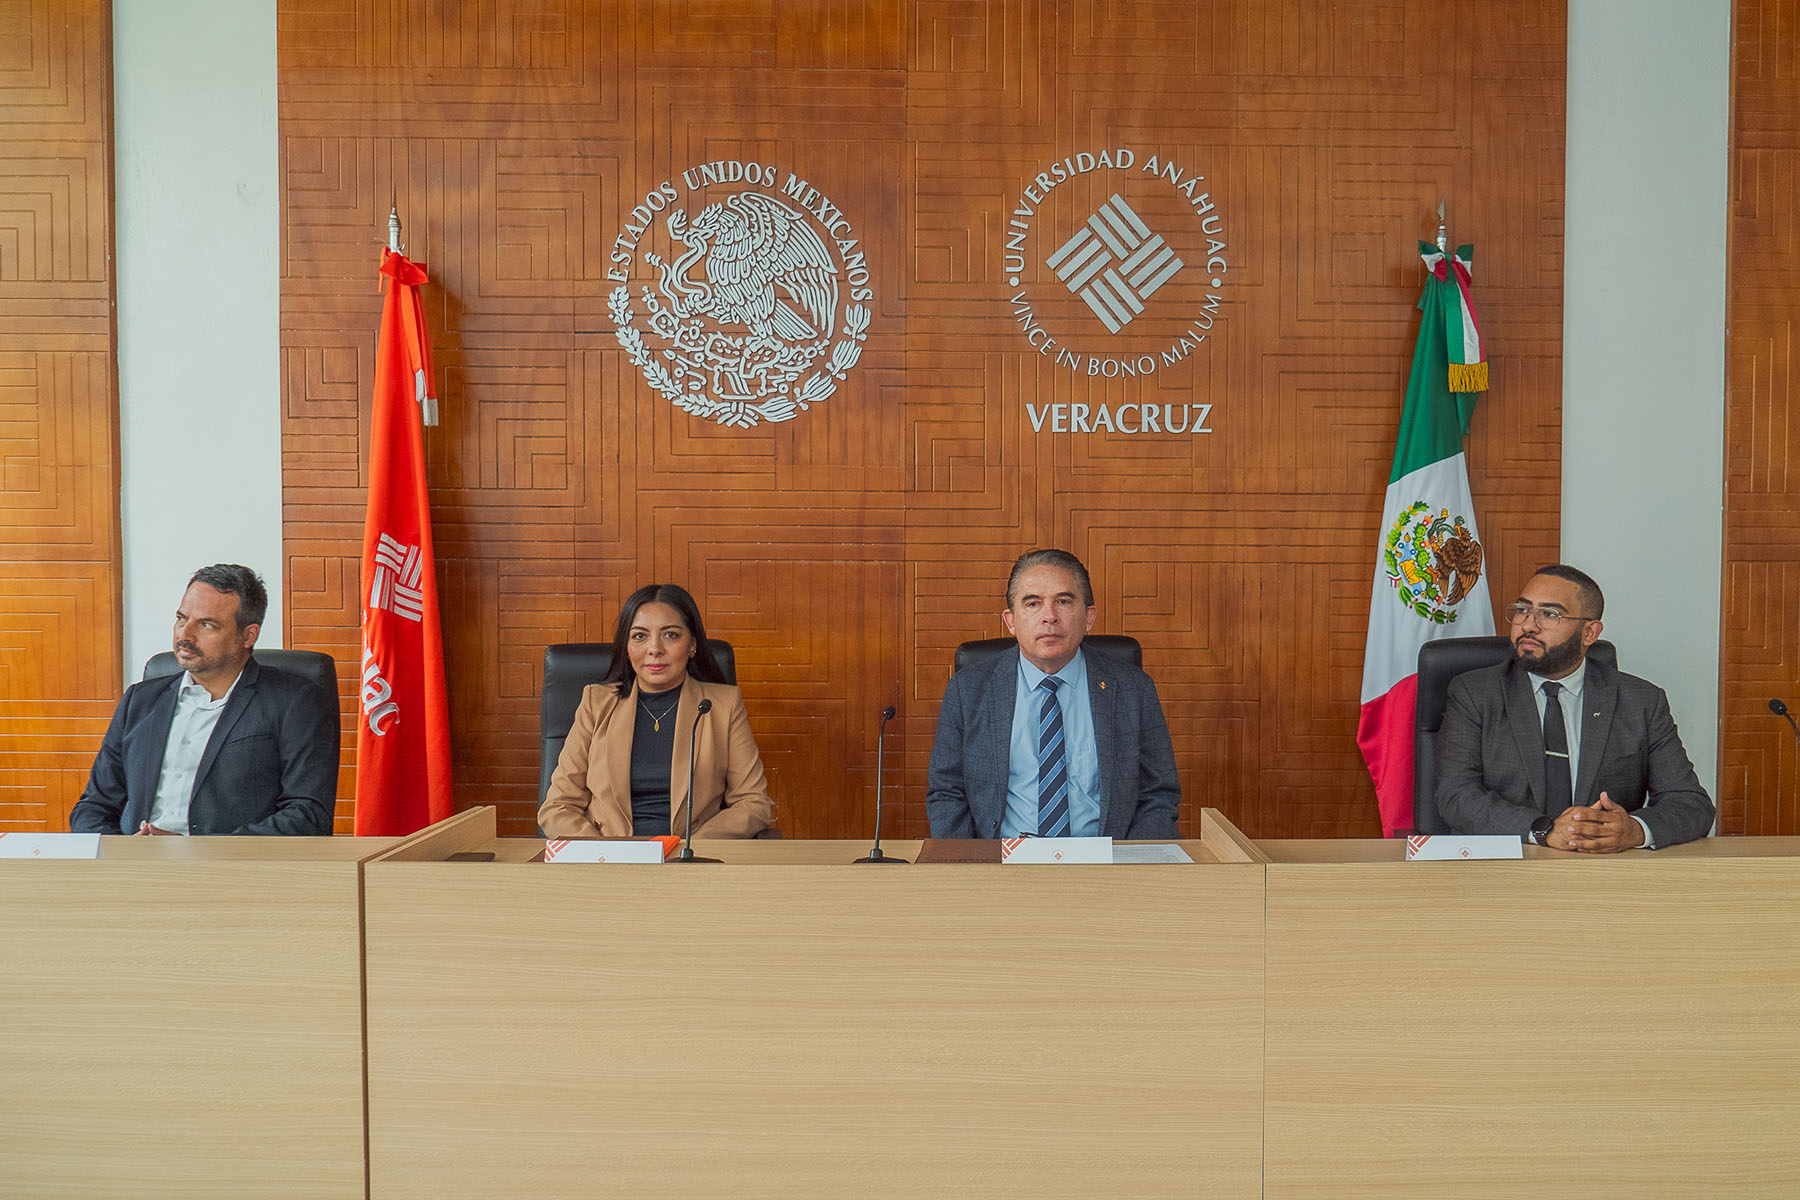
1083,755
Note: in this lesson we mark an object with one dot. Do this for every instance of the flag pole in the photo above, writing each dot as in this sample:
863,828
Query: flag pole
1442,240
428,411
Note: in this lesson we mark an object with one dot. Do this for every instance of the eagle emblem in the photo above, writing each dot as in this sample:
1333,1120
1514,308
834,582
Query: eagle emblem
743,325
1433,561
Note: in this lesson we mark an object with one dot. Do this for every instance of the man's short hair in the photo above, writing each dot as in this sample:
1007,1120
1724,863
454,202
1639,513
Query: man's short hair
1592,601
242,582
1049,558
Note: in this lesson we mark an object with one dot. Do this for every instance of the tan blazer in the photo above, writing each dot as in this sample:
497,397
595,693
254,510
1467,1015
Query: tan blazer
590,791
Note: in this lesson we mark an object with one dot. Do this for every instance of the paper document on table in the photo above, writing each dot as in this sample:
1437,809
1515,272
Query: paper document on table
1150,852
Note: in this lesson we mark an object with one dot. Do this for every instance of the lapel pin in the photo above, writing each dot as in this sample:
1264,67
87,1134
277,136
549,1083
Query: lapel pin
1103,685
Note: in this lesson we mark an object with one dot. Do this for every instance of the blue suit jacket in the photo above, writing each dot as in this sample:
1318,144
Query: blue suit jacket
965,793
270,766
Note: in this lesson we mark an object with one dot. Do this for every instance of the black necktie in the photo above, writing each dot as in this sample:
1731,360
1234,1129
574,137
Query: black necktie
1556,754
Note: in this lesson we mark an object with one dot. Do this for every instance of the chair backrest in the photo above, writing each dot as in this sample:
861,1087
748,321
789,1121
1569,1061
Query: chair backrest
1440,662
568,668
316,668
1113,644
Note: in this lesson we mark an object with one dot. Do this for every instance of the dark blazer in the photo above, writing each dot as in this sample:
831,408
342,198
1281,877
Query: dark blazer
965,792
270,766
1490,751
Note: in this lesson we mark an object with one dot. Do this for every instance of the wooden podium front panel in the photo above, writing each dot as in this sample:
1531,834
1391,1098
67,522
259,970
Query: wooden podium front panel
814,1030
1619,1027
183,1020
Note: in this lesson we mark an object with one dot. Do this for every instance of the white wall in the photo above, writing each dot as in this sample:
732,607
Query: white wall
1643,358
199,362
1643,337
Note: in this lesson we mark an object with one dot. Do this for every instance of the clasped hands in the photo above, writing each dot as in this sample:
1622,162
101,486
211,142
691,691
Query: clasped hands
146,829
1600,828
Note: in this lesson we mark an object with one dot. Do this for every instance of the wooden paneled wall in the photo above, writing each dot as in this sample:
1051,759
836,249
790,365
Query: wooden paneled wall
1759,763
847,550
60,638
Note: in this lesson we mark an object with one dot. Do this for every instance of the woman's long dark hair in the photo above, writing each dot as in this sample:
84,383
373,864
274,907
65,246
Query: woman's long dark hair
702,667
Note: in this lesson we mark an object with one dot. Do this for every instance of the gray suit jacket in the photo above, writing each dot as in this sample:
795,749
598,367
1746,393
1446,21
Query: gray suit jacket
965,792
270,766
1490,751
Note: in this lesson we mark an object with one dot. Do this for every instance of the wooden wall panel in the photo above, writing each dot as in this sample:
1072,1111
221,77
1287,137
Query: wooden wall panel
1759,763
60,647
848,550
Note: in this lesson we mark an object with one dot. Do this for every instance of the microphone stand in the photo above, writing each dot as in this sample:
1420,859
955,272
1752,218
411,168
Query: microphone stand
875,855
687,840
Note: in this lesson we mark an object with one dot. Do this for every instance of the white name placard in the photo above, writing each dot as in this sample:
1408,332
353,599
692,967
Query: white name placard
1038,851
49,845
1440,847
590,851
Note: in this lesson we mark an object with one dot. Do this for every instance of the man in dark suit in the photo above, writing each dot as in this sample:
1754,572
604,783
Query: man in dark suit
227,745
1051,739
1561,750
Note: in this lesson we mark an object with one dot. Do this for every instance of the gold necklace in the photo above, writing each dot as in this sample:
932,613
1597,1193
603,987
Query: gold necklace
656,719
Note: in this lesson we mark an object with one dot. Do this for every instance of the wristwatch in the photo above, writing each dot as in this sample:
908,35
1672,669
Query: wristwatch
1540,831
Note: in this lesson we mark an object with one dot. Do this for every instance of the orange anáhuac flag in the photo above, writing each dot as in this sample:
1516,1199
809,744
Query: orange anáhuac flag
403,721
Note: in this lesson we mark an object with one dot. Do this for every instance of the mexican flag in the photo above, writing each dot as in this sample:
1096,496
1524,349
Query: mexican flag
1429,577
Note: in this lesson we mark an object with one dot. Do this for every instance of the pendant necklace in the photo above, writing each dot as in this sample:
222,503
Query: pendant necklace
656,719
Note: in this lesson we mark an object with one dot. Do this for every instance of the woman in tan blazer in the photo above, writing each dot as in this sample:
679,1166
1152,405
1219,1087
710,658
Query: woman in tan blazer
624,768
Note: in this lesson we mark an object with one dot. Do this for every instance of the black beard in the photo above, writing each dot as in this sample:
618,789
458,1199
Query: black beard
1555,661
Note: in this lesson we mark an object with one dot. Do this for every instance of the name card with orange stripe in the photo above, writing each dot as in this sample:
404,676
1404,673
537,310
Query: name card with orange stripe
615,850
49,845
1448,847
1055,851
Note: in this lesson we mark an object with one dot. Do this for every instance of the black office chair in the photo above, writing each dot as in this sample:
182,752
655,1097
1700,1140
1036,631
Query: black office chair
1439,663
568,668
1113,645
318,669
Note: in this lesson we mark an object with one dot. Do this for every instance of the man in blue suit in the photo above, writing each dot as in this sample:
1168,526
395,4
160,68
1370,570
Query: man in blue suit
225,746
1051,740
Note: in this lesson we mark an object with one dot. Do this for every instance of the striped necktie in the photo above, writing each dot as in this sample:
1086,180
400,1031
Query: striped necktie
1053,764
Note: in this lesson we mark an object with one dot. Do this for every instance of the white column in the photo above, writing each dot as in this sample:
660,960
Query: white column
198,209
1644,338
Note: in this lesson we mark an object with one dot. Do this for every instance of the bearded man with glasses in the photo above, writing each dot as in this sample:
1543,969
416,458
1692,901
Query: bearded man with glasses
1560,750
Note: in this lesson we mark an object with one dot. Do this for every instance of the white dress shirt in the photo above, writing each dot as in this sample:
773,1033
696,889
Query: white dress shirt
196,715
1571,704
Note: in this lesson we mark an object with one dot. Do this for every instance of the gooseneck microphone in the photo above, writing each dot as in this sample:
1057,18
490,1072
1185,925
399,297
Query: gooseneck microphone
875,855
687,839
1780,709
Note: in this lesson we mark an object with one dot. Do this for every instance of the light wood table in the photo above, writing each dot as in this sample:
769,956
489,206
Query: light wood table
183,1018
786,1024
1568,1025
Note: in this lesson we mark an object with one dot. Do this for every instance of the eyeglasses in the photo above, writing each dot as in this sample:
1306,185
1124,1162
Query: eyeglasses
1549,618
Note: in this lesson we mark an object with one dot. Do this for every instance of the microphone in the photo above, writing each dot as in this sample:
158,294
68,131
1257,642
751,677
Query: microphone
687,840
1780,709
875,855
